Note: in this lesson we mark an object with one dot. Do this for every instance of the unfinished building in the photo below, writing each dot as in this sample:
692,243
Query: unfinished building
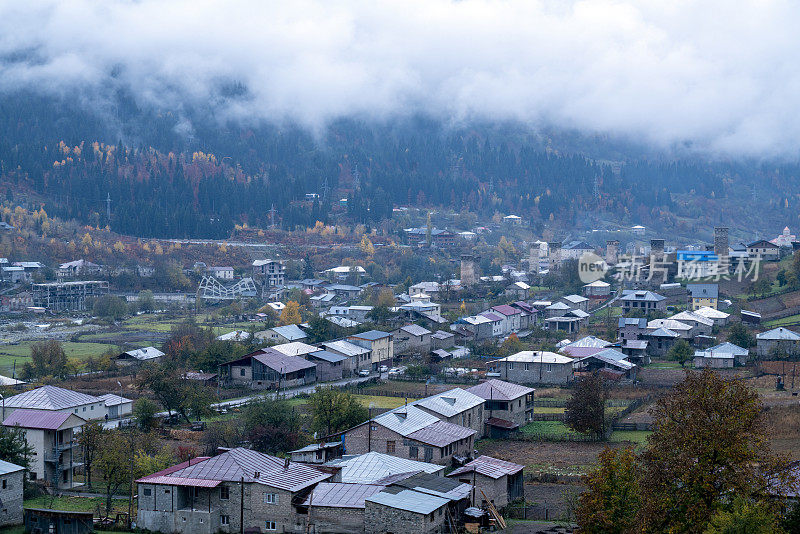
68,296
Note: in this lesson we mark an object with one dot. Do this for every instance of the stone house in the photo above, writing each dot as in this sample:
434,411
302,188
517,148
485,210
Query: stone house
376,468
412,338
238,490
505,401
777,339
380,344
646,301
330,366
52,437
339,507
405,511
499,480
357,357
270,369
702,326
442,340
630,328
511,318
576,302
11,486
457,406
412,433
534,367
282,334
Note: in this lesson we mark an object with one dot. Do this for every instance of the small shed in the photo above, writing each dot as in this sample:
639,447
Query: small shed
44,521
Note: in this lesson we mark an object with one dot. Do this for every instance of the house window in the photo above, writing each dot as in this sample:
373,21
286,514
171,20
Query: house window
32,475
5,483
527,367
270,525
389,447
241,372
413,452
224,520
510,366
84,408
148,492
270,498
196,493
224,493
166,492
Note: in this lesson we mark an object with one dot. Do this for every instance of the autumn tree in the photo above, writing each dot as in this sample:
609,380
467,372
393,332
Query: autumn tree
708,443
47,359
745,517
586,408
144,412
291,314
271,426
612,497
91,439
333,410
681,352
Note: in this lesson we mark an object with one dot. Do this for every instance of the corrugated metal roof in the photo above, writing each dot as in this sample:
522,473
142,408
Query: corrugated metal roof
327,356
488,466
295,348
113,400
535,356
590,341
433,485
409,500
441,434
669,324
691,316
499,390
580,352
49,398
41,419
340,495
282,363
779,333
372,466
575,299
145,353
506,310
372,335
663,332
291,332
8,467
711,313
415,330
451,402
182,481
237,464
406,419
345,347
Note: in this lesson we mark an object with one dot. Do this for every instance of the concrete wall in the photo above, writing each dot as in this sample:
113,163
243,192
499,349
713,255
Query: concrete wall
536,373
360,440
496,490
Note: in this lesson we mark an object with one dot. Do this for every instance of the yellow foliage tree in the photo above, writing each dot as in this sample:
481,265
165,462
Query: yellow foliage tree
86,240
291,314
366,246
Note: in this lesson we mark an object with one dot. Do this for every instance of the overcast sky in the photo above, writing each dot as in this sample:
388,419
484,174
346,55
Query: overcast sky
723,75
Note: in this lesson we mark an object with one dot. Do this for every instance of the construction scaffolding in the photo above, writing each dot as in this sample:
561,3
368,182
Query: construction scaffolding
67,296
211,288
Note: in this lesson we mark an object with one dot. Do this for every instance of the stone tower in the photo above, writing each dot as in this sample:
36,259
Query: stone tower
554,255
612,252
469,274
657,249
721,241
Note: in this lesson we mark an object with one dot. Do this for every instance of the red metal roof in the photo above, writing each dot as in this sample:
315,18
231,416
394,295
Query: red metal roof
180,481
40,419
441,434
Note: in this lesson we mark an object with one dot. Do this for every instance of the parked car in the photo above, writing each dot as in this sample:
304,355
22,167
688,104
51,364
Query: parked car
363,372
383,369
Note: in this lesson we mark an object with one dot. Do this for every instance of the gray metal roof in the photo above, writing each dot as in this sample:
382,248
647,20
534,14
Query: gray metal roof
499,390
590,341
113,400
8,467
441,434
49,398
327,356
641,296
281,362
291,332
145,353
409,500
372,466
372,335
295,348
415,330
488,466
406,419
706,291
345,347
776,334
237,464
431,484
451,402
340,495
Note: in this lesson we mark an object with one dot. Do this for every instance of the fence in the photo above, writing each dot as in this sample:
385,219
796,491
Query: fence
548,416
630,427
533,512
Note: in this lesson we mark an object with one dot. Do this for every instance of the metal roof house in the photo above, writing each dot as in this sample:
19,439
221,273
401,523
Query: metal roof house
238,490
406,511
56,399
777,340
505,401
11,487
499,480
144,354
372,467
271,369
534,367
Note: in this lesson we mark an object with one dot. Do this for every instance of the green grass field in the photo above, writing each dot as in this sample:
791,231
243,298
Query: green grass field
22,352
76,504
634,436
551,428
792,319
664,365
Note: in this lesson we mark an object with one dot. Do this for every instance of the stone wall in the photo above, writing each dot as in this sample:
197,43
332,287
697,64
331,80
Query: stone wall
11,498
379,519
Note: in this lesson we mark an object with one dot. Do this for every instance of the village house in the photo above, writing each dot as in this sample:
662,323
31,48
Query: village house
534,367
477,327
56,399
456,406
11,486
646,301
442,340
406,511
375,467
575,249
570,322
719,318
356,313
630,328
660,340
518,291
500,481
700,325
703,295
339,507
270,369
343,272
613,362
77,268
380,345
282,334
145,354
685,331
597,290
576,302
51,435
116,406
412,433
510,318
330,366
223,273
721,356
505,403
272,272
763,250
412,338
318,453
357,357
239,490
777,340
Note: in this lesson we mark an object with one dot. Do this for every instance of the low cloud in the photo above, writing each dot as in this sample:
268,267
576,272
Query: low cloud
722,76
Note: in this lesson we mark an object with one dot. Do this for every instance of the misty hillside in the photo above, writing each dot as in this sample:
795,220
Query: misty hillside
181,174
